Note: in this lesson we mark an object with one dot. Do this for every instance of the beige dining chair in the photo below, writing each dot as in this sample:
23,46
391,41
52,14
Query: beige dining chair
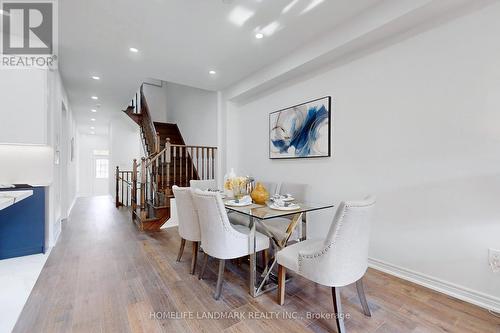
219,238
206,184
189,225
336,261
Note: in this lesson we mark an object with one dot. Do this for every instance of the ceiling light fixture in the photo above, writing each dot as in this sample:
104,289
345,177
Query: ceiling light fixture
133,49
289,6
94,97
239,15
93,110
92,127
92,133
259,35
212,72
271,28
313,4
92,119
95,78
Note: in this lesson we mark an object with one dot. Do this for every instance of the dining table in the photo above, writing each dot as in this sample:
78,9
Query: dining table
258,214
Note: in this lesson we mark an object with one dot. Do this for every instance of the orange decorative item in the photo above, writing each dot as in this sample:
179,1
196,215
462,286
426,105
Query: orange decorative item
259,194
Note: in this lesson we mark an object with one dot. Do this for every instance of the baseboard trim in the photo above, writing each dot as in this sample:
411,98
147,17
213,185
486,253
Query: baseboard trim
447,288
68,213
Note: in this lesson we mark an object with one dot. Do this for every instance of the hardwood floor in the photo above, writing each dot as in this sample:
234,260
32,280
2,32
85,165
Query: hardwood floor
105,276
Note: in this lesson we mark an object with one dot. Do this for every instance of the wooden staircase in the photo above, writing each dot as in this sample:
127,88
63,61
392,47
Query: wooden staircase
169,162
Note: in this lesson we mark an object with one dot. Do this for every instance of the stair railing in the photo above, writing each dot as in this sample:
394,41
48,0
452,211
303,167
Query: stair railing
124,181
150,181
148,127
140,107
153,177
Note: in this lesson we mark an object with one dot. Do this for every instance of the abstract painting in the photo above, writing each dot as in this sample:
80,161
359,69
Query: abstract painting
301,131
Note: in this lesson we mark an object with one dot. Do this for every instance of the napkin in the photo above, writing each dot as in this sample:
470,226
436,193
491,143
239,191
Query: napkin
245,200
281,196
282,203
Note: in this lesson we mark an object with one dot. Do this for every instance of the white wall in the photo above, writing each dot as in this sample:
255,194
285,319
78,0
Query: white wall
88,185
418,125
195,113
125,145
24,102
60,129
156,98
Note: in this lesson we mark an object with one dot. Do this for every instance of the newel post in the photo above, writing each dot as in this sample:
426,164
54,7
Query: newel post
143,188
167,161
117,177
134,186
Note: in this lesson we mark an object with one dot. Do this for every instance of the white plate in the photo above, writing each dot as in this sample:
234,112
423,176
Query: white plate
293,207
237,204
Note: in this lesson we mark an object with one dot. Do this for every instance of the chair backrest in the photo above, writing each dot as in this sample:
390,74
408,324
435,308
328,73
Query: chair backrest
298,191
219,239
346,245
203,184
189,225
270,187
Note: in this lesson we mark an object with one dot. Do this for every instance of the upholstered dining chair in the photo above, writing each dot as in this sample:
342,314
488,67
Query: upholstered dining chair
338,260
219,238
203,184
278,227
271,187
189,226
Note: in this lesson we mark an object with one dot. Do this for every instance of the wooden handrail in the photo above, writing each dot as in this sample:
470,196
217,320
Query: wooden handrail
151,179
148,124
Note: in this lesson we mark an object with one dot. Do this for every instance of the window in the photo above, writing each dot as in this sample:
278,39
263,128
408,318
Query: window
101,168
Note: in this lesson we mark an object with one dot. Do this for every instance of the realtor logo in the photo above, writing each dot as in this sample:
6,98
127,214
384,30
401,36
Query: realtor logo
27,28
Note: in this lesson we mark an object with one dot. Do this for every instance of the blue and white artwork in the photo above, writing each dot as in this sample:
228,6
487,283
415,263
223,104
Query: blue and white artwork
301,131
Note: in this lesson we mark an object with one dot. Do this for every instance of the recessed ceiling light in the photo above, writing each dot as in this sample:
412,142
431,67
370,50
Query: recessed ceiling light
133,49
92,127
92,133
95,77
212,72
93,110
94,97
92,119
259,35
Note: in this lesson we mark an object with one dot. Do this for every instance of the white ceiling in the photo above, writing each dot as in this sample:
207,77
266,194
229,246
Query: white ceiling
182,40
179,41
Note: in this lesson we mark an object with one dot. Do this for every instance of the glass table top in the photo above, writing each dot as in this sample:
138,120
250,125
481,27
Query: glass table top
263,212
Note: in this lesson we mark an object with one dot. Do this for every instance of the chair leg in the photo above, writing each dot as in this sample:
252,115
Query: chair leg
220,278
194,257
204,265
281,284
362,298
337,310
265,258
181,250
